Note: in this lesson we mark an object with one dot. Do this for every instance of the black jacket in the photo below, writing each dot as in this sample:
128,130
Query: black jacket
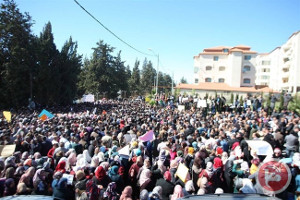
167,188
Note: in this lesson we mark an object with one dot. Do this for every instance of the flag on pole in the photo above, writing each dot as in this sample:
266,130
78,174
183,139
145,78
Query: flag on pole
147,136
45,115
7,115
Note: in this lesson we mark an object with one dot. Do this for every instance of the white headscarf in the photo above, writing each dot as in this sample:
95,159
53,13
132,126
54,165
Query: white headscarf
95,161
189,186
87,156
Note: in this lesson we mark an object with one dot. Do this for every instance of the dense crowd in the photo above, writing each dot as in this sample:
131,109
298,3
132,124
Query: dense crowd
75,155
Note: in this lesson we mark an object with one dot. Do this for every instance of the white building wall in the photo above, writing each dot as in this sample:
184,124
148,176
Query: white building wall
234,69
248,74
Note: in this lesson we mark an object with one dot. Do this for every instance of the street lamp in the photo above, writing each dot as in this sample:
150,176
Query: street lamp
157,55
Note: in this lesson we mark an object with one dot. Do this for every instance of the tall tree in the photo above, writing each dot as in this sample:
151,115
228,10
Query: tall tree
147,76
102,73
70,63
16,57
47,81
183,80
135,79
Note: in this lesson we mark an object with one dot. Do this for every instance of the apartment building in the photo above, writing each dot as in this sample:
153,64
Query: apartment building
239,66
280,69
234,66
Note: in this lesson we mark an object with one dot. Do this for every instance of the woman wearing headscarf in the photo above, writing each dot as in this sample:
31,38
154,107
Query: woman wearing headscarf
115,177
101,177
156,194
127,193
60,190
22,189
39,184
196,169
133,175
218,175
178,193
173,152
87,156
92,190
9,173
94,163
166,185
144,195
241,168
72,159
27,177
110,193
80,185
61,167
10,187
208,173
173,169
189,188
228,174
145,181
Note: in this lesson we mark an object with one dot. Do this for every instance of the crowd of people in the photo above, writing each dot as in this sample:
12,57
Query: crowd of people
76,154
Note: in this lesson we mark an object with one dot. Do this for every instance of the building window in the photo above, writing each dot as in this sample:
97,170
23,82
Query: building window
265,70
196,69
216,58
285,80
208,80
225,50
266,62
246,68
221,68
285,69
247,57
265,77
208,68
196,80
286,59
247,80
221,80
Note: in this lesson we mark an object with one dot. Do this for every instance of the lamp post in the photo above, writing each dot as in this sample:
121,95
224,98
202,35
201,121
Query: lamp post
157,55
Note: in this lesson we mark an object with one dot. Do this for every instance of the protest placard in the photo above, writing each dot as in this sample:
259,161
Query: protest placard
182,172
7,150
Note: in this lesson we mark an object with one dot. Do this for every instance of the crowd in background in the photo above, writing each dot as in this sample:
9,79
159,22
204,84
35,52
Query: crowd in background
75,155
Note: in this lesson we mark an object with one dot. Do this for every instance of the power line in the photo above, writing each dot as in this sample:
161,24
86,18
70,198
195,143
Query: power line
110,30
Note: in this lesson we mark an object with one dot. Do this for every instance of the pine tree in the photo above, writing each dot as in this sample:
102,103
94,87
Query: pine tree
16,55
135,79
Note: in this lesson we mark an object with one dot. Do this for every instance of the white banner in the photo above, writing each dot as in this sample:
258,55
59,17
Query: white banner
88,98
201,104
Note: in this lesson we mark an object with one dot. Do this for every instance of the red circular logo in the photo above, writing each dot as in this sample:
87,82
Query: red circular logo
274,176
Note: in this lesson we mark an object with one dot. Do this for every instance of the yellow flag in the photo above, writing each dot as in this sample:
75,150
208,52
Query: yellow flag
7,115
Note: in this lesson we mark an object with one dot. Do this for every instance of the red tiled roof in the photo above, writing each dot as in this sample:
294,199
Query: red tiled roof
222,87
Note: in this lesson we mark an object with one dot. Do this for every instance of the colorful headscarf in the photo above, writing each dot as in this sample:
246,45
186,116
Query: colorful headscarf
110,192
100,173
126,194
178,193
145,178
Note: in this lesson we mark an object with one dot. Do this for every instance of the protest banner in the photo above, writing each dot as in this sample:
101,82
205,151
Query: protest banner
147,136
69,177
7,150
261,147
182,172
45,115
181,108
7,115
201,104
